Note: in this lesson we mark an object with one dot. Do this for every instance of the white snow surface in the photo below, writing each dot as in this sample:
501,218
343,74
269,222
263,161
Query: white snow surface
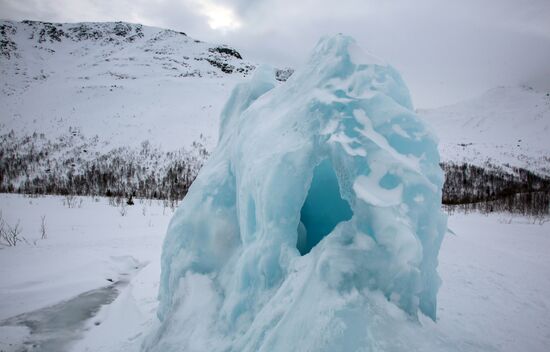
123,82
88,247
494,296
506,125
496,283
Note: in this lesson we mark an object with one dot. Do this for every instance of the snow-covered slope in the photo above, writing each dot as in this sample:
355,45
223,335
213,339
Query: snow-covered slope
124,82
506,125
127,83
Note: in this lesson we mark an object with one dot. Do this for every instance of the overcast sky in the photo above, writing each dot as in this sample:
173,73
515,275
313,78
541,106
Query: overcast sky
447,50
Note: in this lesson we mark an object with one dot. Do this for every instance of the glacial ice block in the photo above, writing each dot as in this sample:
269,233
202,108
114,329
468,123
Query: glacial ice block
315,225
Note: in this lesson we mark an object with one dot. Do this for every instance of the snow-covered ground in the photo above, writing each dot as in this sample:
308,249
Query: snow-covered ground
88,247
103,268
496,283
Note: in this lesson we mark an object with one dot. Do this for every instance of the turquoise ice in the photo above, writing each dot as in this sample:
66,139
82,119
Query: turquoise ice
316,223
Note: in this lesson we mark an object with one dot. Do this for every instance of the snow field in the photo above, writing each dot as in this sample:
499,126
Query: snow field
495,273
89,246
496,283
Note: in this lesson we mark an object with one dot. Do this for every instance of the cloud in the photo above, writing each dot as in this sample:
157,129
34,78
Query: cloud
446,50
219,17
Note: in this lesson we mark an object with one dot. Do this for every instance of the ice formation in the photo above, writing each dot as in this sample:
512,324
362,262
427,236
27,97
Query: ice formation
316,223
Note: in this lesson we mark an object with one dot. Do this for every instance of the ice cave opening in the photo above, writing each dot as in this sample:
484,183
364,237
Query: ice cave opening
323,209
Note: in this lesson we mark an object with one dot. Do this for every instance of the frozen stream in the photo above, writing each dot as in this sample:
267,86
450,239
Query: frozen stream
53,328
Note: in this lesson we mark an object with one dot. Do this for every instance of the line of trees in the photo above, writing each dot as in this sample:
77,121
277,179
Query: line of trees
36,166
492,189
67,166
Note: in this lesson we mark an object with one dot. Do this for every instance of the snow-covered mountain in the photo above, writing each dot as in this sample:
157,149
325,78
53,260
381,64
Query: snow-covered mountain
126,107
127,83
504,126
123,82
116,103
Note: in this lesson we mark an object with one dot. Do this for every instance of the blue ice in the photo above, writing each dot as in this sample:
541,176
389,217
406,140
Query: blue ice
316,223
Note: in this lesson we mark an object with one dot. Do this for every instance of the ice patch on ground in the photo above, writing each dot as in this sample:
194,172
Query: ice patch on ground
54,328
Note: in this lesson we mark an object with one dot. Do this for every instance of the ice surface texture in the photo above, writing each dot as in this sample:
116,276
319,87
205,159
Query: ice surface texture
316,223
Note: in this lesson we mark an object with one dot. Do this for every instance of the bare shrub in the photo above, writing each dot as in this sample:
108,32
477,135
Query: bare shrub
9,235
43,233
123,210
70,201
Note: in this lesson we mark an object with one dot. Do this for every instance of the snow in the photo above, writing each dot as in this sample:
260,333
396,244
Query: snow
27,285
124,323
496,283
494,296
506,125
159,86
290,235
495,271
88,247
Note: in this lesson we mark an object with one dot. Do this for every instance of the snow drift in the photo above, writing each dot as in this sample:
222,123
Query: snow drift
316,223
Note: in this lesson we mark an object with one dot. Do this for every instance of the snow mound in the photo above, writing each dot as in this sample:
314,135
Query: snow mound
316,223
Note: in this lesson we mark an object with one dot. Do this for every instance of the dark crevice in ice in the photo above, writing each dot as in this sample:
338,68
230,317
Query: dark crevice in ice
323,209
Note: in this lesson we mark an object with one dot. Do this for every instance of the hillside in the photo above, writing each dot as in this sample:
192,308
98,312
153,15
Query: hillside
496,151
123,82
506,125
106,107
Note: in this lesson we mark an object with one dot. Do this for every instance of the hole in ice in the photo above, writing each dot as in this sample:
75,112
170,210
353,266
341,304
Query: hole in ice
323,209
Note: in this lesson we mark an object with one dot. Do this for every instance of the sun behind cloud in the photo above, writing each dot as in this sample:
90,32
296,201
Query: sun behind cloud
220,17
